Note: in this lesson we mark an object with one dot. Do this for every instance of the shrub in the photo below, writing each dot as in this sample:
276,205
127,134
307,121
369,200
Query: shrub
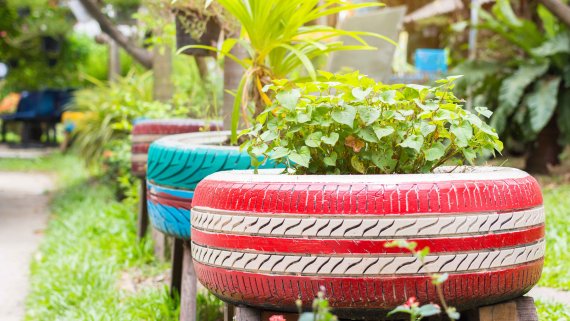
349,124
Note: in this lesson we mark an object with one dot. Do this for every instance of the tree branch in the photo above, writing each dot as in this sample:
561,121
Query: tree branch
559,9
141,55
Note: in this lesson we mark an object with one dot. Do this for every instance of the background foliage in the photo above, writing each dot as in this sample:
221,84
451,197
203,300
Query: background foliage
527,85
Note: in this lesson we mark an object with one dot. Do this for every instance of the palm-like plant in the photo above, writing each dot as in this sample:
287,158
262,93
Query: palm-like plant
278,43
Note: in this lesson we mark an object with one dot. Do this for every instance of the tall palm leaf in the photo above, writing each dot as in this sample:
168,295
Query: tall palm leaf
279,42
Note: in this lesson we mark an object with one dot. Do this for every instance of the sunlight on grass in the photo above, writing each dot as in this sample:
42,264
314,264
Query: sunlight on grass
552,311
557,261
90,240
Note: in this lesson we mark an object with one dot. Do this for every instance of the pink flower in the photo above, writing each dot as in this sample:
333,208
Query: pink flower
412,302
277,318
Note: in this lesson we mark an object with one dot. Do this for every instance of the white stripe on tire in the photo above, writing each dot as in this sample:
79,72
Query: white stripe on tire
359,265
362,227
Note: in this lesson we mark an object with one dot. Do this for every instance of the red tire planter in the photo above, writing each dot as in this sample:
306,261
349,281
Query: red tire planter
147,131
267,240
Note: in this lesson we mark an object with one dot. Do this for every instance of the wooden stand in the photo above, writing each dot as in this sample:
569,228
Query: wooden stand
519,309
177,266
189,286
143,210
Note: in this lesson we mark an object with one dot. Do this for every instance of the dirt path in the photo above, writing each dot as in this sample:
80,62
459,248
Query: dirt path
23,216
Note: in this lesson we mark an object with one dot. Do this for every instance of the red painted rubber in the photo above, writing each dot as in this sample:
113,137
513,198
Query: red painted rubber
357,198
277,292
266,240
146,131
171,126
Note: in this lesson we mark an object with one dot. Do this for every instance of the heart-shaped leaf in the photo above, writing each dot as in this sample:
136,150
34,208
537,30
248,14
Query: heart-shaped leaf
331,139
301,157
314,139
345,116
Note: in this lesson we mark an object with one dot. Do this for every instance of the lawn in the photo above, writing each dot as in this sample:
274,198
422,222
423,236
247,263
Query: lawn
557,263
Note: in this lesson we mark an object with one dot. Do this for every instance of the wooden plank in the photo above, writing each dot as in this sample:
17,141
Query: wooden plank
247,314
143,210
177,262
189,286
526,309
499,312
519,309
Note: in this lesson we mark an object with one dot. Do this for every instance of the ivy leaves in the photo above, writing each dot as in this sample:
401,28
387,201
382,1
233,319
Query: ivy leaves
350,124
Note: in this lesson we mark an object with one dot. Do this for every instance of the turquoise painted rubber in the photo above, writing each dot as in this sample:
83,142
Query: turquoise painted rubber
176,164
169,210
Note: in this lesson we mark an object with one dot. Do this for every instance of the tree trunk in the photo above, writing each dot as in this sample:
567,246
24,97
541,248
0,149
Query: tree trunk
162,67
114,60
202,64
232,76
545,150
141,55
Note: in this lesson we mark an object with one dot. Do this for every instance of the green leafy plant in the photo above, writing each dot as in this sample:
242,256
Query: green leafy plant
529,86
350,124
278,42
412,307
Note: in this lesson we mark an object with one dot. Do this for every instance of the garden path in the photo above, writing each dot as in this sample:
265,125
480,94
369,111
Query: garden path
551,295
23,216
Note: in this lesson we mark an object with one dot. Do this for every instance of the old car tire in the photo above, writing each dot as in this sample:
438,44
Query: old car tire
267,240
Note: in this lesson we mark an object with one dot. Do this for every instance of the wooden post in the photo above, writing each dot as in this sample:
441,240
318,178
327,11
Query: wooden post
189,286
229,312
244,313
177,262
162,245
143,210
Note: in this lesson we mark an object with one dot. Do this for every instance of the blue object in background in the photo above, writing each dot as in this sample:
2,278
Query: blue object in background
431,60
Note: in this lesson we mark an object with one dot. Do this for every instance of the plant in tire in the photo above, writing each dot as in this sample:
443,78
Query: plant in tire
268,239
349,124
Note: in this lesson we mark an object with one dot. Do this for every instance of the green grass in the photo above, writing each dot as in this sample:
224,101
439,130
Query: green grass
557,262
549,311
89,242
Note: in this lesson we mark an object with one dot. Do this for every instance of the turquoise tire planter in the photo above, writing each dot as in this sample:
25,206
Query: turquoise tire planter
176,164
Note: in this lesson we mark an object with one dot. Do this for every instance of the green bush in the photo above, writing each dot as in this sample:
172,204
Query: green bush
527,79
349,124
110,110
30,66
